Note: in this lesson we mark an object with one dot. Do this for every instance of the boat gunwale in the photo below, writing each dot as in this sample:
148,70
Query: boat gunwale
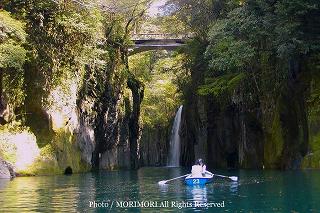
188,178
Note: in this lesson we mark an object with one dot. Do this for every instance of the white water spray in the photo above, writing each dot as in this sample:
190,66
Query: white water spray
174,151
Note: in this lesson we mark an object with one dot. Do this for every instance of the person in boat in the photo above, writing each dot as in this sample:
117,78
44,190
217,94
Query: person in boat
199,169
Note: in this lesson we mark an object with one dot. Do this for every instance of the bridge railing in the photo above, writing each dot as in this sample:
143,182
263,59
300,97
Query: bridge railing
155,36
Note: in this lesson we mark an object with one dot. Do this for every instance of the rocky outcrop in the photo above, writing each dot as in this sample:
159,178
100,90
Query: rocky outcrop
247,130
6,170
154,146
91,122
312,158
109,111
244,136
137,90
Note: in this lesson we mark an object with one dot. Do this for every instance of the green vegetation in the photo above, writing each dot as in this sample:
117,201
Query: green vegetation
12,58
161,97
62,63
66,77
261,57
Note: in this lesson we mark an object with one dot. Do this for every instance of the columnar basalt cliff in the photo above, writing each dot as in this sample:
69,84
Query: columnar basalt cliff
79,105
109,107
154,146
247,75
242,133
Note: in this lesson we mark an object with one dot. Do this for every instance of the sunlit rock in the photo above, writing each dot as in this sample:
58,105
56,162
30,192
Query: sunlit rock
19,148
62,106
4,171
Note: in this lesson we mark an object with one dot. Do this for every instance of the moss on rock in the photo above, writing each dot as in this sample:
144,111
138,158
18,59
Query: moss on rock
312,159
274,142
68,153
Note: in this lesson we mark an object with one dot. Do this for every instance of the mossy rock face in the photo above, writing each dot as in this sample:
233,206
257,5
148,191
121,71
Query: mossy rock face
55,157
274,143
311,161
46,164
68,153
287,138
39,122
4,171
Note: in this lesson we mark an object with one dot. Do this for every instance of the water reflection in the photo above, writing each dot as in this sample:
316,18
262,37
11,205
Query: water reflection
197,194
4,183
163,188
233,187
257,191
172,187
32,194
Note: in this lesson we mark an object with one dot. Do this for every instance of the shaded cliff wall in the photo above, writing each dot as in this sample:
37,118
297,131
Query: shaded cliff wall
238,137
285,118
92,123
312,159
109,107
81,102
247,129
226,137
154,146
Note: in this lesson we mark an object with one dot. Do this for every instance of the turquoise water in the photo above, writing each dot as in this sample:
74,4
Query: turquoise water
256,191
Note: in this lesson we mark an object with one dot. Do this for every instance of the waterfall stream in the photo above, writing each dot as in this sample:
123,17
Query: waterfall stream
174,151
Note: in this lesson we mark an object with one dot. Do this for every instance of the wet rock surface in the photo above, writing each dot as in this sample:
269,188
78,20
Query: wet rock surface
6,170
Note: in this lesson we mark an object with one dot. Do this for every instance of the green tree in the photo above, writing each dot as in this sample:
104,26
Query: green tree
157,70
12,58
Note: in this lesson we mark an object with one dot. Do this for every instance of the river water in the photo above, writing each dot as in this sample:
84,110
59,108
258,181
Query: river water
256,191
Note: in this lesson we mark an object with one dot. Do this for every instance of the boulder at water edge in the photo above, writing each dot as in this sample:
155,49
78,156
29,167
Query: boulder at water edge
4,171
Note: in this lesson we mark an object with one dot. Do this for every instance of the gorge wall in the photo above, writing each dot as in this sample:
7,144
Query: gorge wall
154,146
250,132
248,78
79,104
89,127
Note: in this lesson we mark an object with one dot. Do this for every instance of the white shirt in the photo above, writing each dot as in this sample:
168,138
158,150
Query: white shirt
198,171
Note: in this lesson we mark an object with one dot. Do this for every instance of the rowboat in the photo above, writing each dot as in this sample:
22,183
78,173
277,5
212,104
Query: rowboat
198,180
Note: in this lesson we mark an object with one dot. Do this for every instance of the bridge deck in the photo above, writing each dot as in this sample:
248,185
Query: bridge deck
146,42
159,36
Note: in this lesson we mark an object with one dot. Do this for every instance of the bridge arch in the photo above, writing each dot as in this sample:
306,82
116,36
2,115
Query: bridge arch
146,42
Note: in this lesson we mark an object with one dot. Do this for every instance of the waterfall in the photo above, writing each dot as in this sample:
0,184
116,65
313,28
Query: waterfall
174,151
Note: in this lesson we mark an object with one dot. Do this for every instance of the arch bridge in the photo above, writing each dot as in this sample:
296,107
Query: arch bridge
156,41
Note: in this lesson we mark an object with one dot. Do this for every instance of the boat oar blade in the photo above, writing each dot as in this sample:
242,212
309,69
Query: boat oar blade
163,182
234,178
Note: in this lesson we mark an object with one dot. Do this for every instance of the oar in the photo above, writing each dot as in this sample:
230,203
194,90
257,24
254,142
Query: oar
165,181
233,178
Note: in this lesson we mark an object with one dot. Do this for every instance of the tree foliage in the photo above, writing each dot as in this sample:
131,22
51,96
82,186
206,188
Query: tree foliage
161,98
260,39
12,58
62,39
